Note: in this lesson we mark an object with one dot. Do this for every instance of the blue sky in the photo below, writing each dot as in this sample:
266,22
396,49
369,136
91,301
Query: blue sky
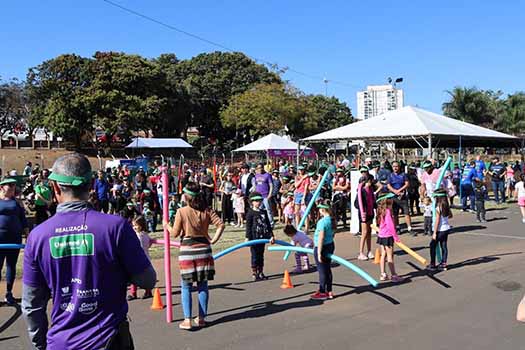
434,45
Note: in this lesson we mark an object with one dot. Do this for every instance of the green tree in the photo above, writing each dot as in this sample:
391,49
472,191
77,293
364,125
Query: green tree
211,79
125,94
474,106
175,116
14,106
56,90
512,120
268,108
329,112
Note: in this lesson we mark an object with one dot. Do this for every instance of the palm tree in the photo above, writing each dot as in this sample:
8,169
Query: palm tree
475,106
512,121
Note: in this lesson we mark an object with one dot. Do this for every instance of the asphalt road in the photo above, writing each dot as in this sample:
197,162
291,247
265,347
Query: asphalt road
471,306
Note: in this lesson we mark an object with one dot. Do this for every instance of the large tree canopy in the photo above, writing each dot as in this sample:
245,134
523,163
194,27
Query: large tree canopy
211,79
274,107
14,108
57,90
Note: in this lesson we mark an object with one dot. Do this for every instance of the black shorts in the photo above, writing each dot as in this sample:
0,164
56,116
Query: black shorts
400,204
369,219
386,241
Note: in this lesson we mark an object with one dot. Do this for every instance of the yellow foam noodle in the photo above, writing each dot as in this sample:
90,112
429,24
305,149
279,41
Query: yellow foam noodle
412,253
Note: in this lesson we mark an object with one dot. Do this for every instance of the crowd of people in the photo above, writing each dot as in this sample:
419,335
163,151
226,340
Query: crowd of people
71,201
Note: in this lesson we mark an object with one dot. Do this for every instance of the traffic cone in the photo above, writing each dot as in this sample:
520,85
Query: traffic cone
377,258
157,301
287,281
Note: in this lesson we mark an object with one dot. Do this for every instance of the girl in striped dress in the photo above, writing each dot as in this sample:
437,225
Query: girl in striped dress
195,255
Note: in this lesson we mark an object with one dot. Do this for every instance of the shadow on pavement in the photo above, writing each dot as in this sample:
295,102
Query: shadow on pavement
364,289
261,309
12,319
458,229
228,286
9,338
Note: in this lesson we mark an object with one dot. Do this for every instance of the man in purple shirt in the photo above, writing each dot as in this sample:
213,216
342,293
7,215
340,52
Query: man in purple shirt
83,260
264,186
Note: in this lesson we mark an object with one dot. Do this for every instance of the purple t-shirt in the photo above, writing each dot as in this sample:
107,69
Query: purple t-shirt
85,258
262,183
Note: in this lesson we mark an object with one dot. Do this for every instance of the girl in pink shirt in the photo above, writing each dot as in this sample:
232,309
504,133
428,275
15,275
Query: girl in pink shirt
387,236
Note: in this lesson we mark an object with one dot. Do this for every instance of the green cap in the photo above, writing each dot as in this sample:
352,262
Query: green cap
300,167
311,173
256,198
363,169
439,193
340,170
7,181
426,164
70,180
385,196
129,204
323,206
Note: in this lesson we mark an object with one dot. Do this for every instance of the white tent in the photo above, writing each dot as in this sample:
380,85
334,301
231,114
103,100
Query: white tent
270,142
414,125
142,142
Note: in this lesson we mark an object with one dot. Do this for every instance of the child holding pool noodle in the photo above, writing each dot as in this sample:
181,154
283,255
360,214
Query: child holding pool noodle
299,239
258,227
387,236
323,246
441,230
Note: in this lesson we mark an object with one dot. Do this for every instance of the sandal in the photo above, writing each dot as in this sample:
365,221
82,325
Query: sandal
199,322
186,325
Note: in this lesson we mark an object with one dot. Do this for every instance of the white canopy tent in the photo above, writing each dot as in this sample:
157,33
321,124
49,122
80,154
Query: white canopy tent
270,142
414,126
142,142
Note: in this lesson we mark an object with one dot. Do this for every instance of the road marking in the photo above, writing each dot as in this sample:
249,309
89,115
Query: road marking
488,235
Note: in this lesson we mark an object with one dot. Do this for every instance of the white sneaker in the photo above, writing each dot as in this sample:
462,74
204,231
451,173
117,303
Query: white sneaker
362,257
523,220
233,224
409,229
371,255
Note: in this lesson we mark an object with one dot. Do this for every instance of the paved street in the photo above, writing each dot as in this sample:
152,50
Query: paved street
471,306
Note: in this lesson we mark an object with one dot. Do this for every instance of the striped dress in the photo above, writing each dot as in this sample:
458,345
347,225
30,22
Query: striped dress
196,260
195,254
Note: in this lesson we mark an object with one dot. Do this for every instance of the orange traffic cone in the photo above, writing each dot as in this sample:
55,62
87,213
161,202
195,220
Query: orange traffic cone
377,258
287,281
157,301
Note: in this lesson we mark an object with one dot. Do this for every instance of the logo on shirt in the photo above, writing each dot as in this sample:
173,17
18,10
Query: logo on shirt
67,307
65,291
88,293
76,280
88,308
72,245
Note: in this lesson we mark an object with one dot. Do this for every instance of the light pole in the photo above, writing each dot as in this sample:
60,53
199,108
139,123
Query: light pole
325,81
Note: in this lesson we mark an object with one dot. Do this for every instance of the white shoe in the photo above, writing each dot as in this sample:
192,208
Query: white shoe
362,257
371,255
409,229
523,220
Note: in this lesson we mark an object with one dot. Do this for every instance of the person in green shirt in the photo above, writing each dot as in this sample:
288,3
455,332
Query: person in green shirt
42,200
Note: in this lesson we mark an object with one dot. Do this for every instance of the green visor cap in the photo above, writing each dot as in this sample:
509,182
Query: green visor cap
256,198
426,164
323,206
70,180
363,169
311,173
300,167
439,194
191,193
7,181
385,196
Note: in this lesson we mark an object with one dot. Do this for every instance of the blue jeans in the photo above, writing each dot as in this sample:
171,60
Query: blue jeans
468,191
324,268
10,256
186,301
266,205
498,187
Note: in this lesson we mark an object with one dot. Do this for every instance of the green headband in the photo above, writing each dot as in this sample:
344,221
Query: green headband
426,165
71,180
323,206
439,194
363,169
256,198
385,196
191,193
7,181
312,173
